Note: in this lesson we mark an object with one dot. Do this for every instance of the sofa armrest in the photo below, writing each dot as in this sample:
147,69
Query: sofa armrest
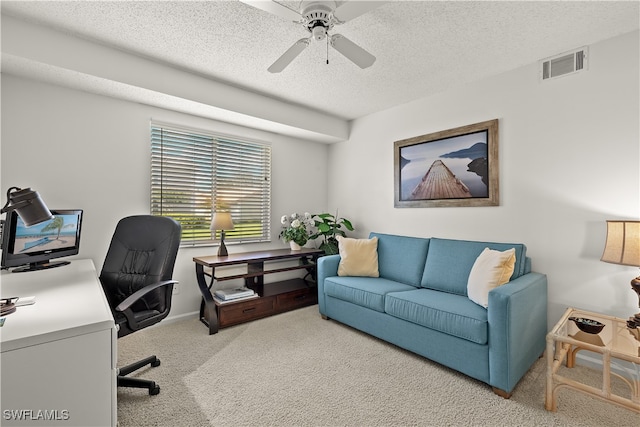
327,267
517,316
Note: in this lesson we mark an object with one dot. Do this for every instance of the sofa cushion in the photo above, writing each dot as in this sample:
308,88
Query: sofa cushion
491,269
401,258
364,291
448,313
449,263
358,257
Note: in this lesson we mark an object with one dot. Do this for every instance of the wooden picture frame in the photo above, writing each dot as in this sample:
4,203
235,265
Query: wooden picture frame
452,168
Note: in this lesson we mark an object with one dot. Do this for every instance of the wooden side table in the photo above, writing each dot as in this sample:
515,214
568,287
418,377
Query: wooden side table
274,298
618,345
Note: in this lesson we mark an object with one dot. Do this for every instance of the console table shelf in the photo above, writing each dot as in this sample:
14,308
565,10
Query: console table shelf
258,273
273,298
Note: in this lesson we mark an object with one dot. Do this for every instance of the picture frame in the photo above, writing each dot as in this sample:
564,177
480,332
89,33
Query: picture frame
451,168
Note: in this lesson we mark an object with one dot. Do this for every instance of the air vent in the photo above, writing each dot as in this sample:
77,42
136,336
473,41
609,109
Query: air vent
564,64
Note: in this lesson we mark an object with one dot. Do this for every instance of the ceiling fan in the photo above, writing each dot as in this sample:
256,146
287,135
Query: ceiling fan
319,17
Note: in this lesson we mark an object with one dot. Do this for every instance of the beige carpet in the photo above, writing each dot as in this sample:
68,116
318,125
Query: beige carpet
296,369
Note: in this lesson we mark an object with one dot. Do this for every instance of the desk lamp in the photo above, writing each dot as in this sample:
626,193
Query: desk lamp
32,210
222,221
623,247
28,205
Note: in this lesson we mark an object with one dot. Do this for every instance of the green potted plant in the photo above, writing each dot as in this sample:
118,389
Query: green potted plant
329,227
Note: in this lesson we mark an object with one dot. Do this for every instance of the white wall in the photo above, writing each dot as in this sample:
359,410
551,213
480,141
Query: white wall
80,150
569,152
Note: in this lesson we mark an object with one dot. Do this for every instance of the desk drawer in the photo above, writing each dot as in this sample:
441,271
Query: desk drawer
234,313
298,298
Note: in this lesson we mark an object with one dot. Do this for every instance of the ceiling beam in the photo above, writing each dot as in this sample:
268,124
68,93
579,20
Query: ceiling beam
43,54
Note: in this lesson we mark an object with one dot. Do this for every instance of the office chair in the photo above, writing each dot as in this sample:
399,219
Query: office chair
136,279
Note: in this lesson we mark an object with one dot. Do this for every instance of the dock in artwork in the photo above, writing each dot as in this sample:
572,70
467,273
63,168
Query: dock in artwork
440,183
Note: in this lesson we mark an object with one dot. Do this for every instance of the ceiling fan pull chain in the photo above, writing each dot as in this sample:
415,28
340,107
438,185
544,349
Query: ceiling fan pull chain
327,49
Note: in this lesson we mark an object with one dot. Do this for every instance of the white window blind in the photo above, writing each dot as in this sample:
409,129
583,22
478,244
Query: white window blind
194,174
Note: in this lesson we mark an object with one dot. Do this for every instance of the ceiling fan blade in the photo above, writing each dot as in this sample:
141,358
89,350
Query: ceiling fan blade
352,9
291,54
352,51
275,9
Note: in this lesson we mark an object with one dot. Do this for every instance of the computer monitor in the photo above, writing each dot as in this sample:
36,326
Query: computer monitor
33,248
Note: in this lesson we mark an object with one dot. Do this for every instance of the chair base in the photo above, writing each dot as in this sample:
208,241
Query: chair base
125,381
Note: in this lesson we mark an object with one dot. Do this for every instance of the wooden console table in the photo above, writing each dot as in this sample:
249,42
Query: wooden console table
273,298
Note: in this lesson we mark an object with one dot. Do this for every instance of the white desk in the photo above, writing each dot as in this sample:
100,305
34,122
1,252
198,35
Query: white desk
59,355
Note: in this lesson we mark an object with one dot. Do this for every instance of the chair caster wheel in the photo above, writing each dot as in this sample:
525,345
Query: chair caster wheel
154,391
156,363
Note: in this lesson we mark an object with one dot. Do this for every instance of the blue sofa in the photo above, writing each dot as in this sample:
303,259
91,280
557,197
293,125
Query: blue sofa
419,302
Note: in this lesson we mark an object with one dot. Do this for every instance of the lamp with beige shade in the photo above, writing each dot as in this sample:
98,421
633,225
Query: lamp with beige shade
222,221
623,247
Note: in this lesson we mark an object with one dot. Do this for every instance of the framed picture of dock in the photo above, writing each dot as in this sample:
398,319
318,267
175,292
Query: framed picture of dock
451,168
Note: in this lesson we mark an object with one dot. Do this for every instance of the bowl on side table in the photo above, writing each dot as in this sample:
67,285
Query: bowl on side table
589,326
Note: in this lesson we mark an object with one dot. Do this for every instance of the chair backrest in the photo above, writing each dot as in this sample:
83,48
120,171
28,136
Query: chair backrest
143,251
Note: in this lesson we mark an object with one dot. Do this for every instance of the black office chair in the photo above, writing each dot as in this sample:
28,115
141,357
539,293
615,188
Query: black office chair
136,279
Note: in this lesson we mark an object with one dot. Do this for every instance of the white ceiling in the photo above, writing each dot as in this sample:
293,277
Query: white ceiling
422,47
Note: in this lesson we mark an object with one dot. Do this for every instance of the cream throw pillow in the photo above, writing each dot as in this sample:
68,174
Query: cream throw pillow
491,269
358,257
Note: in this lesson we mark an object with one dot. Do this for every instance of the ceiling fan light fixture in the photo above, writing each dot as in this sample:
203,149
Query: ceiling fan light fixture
319,33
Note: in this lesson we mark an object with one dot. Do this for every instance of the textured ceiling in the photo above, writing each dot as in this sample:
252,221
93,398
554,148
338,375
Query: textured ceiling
422,47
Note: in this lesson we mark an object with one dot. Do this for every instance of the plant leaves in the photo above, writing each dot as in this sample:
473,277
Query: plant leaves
323,228
329,249
347,224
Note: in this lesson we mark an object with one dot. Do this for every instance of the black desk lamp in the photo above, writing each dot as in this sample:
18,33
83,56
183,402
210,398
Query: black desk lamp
32,210
28,205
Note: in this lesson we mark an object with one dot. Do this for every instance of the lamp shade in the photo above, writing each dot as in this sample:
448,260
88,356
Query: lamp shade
221,221
623,243
28,205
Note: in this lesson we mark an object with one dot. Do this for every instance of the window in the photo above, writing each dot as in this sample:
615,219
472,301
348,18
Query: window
194,174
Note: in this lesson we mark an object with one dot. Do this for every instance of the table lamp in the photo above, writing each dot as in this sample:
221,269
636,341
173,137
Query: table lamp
222,221
28,205
623,247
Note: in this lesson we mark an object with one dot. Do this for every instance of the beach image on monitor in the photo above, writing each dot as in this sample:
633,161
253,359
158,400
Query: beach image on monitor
59,232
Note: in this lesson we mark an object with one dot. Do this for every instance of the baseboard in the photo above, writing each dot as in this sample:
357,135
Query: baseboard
171,319
176,318
590,360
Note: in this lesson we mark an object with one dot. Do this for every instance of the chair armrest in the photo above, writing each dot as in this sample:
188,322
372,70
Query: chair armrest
517,316
327,267
125,306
